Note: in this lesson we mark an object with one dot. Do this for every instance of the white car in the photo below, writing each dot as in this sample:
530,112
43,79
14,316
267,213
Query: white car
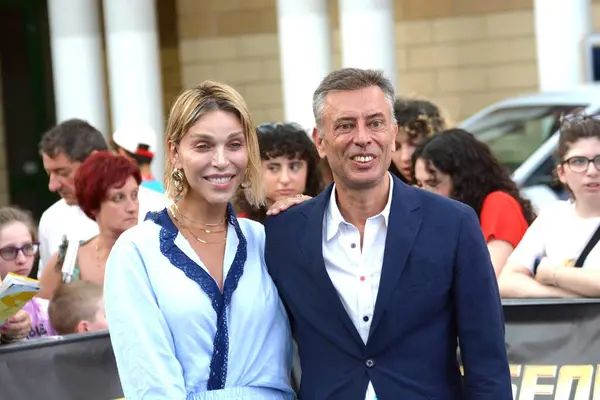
523,134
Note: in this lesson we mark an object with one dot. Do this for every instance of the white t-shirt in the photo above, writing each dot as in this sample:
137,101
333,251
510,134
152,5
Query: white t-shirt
559,234
62,219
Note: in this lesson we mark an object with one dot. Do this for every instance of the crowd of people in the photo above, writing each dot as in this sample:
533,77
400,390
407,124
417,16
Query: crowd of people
267,253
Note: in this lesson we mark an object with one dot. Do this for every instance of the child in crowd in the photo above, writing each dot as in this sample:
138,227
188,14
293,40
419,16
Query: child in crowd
78,307
551,260
18,248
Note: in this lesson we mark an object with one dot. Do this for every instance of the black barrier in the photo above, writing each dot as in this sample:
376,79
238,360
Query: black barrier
553,346
63,368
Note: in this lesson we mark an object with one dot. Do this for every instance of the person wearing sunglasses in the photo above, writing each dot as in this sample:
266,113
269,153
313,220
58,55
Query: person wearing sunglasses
18,248
558,256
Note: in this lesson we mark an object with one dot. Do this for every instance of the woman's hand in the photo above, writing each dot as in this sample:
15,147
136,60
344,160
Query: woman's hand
284,204
17,327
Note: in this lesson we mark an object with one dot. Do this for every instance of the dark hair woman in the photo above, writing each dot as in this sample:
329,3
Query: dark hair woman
457,165
290,166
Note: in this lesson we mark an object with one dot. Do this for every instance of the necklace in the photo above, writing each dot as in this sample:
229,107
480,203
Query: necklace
182,227
191,220
208,231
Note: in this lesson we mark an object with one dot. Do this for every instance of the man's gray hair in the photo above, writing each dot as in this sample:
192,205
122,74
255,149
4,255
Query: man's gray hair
351,79
76,138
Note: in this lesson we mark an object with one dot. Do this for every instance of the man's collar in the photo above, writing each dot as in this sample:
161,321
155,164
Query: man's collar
334,217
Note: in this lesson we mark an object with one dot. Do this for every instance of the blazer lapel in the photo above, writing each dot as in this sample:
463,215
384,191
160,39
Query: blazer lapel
312,246
403,226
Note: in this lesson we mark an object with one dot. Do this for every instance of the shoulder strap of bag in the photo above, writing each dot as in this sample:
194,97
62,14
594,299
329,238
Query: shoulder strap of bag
588,248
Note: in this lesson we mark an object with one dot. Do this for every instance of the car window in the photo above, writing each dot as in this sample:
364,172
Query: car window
545,174
515,133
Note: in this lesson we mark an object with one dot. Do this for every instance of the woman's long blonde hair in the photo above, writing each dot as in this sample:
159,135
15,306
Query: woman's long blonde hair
187,109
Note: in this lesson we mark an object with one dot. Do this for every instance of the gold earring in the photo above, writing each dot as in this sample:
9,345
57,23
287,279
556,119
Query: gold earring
246,181
178,177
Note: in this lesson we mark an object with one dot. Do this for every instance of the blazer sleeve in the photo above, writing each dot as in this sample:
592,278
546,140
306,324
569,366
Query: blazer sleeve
141,339
271,249
479,315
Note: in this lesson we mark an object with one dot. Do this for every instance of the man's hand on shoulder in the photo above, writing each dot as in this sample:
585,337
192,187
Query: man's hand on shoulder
284,204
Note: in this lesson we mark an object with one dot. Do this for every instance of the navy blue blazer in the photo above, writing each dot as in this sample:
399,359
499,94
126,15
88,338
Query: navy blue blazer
437,287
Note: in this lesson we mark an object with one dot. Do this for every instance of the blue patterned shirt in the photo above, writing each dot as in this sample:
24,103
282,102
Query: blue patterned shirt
176,336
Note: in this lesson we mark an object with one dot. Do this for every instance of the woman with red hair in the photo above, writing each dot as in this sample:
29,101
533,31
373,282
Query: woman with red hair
106,186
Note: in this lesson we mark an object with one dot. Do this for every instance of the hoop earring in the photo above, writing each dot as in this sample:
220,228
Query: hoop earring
178,178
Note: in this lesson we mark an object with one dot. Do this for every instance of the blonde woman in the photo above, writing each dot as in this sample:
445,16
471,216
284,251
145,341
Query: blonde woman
192,311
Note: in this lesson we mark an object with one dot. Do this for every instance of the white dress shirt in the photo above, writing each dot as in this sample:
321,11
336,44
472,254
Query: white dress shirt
61,219
356,273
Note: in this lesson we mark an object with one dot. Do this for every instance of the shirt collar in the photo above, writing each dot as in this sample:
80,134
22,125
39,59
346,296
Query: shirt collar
335,219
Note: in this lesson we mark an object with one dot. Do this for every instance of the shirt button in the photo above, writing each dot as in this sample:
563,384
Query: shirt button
353,245
366,318
370,363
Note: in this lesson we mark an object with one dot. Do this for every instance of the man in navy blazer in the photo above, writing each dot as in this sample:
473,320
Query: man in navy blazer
381,280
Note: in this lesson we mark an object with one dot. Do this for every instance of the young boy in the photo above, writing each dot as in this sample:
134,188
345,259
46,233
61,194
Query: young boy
78,307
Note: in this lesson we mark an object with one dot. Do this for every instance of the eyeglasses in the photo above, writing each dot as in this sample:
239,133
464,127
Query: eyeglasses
9,253
269,127
577,118
579,164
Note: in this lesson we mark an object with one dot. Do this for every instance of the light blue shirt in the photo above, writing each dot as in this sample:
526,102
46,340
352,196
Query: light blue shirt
168,338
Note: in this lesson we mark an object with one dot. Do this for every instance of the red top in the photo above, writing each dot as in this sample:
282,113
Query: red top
242,215
502,218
